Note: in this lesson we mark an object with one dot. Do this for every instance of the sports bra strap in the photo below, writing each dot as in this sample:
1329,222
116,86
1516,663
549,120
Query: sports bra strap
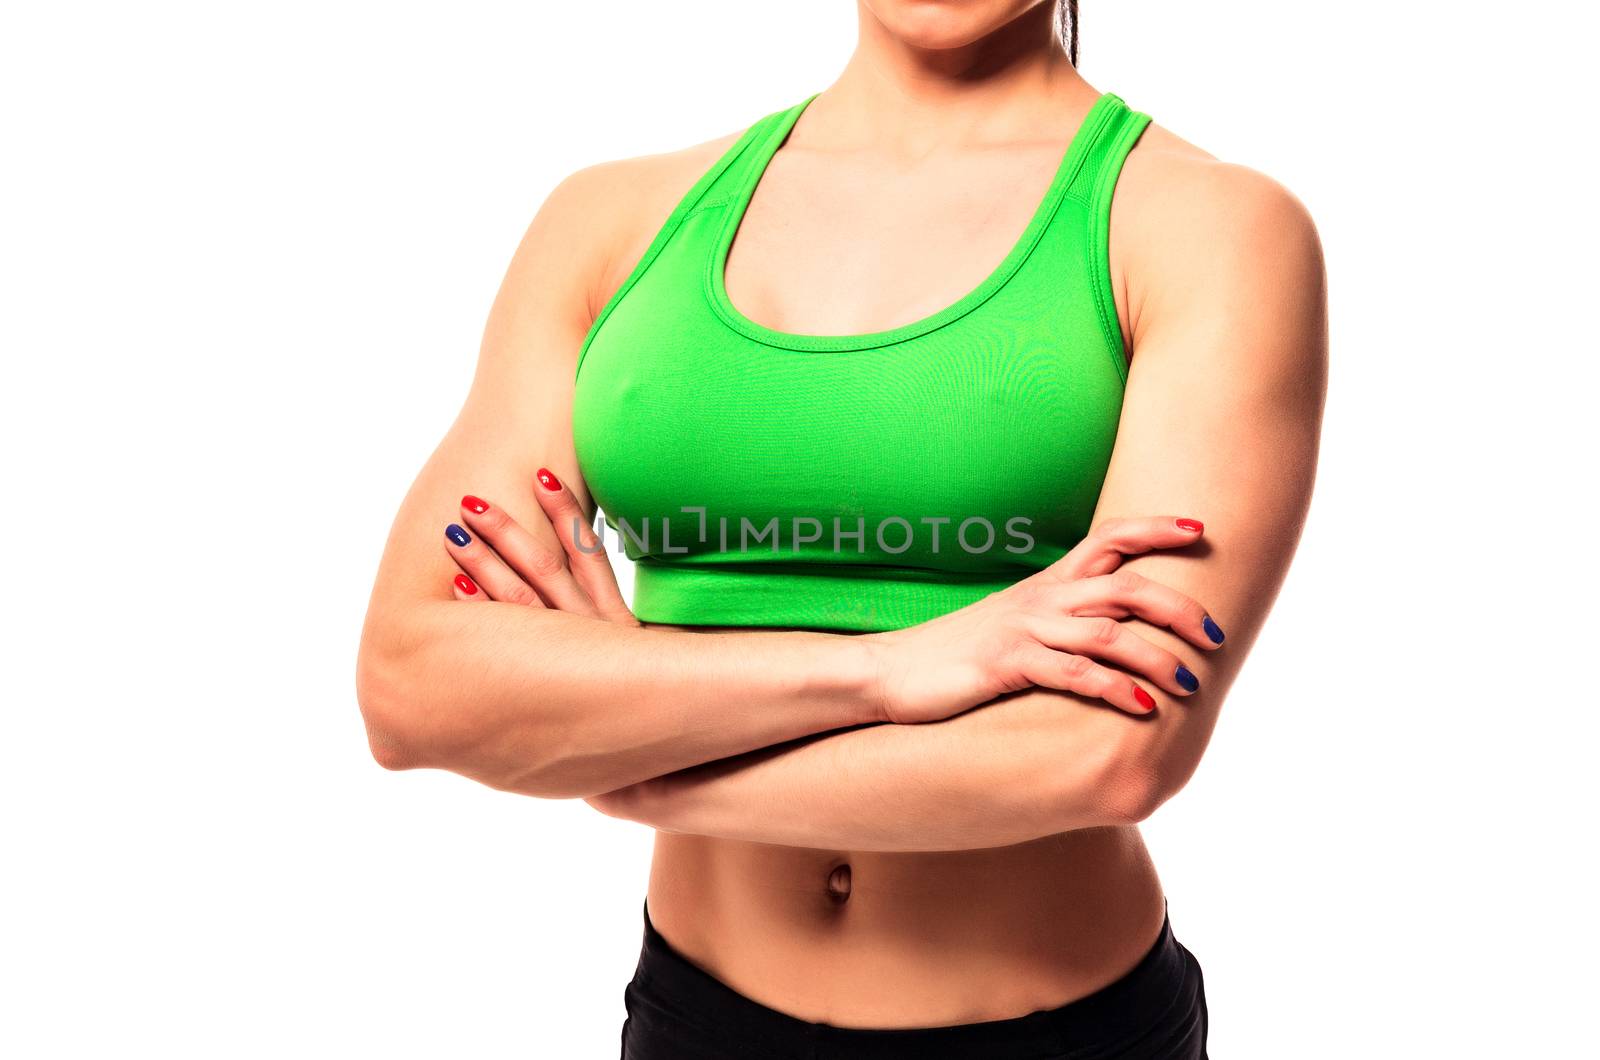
1094,185
1103,158
761,142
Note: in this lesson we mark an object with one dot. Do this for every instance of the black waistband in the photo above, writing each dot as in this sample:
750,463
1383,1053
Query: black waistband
1160,985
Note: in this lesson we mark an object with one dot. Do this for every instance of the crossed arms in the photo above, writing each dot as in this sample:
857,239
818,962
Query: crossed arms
783,737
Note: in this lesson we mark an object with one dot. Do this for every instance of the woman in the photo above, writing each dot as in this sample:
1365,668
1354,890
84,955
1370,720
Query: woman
897,777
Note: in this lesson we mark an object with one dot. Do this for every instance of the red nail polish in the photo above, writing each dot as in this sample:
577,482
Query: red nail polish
464,583
548,480
1146,700
1194,526
474,505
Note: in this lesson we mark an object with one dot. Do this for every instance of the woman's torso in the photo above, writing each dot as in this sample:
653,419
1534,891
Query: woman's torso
864,938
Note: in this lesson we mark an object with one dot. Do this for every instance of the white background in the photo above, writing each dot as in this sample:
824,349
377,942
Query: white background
245,258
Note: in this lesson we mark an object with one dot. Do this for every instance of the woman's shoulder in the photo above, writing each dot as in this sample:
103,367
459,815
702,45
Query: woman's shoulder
643,181
1175,186
1193,230
615,207
1185,206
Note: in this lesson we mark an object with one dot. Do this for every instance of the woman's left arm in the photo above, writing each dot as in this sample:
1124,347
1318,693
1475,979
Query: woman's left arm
1221,418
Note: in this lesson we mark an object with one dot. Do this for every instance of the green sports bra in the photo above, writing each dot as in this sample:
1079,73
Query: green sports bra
854,482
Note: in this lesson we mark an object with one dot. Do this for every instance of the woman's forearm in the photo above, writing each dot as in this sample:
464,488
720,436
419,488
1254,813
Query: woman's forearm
1026,766
545,703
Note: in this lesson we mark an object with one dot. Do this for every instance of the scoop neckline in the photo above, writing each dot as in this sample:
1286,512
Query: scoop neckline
739,204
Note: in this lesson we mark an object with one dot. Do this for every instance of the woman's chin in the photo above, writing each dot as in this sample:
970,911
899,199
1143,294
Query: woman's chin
940,25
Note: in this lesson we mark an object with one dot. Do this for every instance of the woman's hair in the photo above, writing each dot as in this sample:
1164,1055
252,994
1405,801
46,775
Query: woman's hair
1067,26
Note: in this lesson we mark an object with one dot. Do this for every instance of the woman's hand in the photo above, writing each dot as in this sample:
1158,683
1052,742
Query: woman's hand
1055,630
560,564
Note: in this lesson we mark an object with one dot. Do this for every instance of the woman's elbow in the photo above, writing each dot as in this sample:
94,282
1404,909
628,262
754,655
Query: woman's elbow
387,713
1132,795
409,729
1143,778
1123,784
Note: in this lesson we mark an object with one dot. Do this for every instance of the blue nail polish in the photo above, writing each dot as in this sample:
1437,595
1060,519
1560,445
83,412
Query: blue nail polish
1213,630
1186,679
459,537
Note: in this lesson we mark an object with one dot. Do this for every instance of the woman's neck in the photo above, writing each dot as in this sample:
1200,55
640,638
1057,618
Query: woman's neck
911,99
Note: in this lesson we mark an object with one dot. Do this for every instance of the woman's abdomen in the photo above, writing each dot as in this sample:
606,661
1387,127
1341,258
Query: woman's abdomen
904,940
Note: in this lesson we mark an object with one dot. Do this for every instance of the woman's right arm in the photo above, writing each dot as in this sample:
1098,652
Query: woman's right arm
537,700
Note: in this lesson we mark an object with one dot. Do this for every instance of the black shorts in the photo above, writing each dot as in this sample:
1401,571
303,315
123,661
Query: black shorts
676,1011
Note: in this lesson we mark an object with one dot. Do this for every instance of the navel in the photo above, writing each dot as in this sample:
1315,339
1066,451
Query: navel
839,883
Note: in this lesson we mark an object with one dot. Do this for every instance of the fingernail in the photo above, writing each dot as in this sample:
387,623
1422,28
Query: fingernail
1213,630
464,583
1194,526
1186,679
1146,700
459,536
474,505
548,480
